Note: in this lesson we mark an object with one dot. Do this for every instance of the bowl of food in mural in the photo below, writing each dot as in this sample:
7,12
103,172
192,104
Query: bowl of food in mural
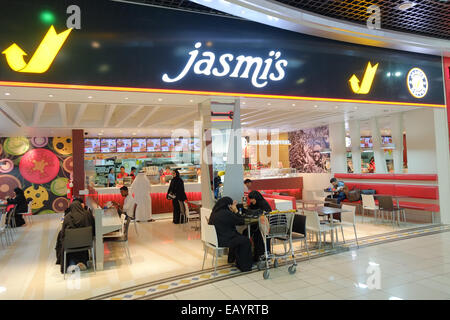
16,146
39,166
7,185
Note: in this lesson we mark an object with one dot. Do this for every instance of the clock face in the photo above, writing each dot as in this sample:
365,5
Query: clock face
417,83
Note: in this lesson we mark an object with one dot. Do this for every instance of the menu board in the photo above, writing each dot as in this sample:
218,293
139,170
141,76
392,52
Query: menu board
108,145
181,145
167,144
123,145
153,145
366,142
386,140
139,145
195,144
92,146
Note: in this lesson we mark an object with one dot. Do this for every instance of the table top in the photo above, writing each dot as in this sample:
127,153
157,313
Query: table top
328,210
111,218
311,201
390,195
196,202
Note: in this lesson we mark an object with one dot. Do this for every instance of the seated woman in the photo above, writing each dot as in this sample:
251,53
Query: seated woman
257,202
224,218
21,206
76,217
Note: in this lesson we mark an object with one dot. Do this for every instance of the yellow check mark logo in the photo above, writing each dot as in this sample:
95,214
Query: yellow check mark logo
367,80
42,59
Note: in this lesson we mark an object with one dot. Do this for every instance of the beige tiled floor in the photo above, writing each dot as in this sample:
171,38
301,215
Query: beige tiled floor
162,250
417,268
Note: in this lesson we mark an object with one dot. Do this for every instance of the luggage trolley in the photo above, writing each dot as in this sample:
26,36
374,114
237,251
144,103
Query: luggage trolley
280,228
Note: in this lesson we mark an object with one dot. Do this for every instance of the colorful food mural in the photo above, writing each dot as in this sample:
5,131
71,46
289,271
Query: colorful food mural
41,166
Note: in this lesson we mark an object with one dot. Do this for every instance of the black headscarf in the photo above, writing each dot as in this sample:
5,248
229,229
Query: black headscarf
221,204
18,191
261,203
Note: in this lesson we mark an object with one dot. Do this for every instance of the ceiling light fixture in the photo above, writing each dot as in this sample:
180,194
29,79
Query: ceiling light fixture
159,99
126,98
90,97
315,106
7,94
406,5
50,96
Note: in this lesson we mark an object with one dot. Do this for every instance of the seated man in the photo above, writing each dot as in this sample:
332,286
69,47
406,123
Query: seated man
128,203
339,190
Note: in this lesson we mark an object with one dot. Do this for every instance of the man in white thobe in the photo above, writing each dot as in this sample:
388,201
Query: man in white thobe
141,188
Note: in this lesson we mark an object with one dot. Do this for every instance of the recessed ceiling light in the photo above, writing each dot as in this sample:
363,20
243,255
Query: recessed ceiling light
336,107
243,102
134,133
356,108
406,5
90,97
159,99
126,98
50,96
100,133
293,104
7,94
315,106
268,104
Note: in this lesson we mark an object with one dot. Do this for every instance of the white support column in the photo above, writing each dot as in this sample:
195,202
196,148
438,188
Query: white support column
355,136
397,140
378,153
442,163
233,186
205,154
338,151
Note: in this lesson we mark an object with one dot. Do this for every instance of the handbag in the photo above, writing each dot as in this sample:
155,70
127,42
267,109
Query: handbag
171,196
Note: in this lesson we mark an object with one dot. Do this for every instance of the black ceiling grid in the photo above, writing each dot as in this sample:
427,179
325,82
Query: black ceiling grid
429,18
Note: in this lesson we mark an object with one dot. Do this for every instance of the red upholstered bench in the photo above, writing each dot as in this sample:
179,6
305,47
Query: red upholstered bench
387,176
431,207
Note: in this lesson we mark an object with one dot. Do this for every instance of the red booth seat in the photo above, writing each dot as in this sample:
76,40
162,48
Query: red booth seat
388,176
274,196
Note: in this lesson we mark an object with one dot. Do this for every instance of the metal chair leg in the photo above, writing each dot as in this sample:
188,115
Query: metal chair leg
356,236
204,256
93,259
342,230
307,250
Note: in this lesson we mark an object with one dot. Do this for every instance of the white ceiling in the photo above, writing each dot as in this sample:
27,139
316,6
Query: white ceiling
55,112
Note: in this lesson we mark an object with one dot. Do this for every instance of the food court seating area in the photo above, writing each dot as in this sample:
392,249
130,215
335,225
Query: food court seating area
418,189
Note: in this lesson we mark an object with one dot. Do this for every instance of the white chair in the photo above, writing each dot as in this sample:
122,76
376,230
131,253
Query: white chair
209,239
348,218
191,214
120,236
3,230
28,217
368,203
313,225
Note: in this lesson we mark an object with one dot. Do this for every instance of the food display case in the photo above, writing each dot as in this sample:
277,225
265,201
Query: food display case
271,173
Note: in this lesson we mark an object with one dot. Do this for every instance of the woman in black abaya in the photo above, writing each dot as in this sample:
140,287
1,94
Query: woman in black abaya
176,188
257,202
224,218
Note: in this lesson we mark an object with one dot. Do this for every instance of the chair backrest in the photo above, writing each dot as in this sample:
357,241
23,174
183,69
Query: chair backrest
209,234
368,201
348,216
299,224
385,203
312,220
78,238
11,216
204,217
134,211
3,220
187,210
125,227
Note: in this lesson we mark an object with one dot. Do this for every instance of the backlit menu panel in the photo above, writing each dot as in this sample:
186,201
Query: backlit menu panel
139,145
108,145
123,145
92,146
153,145
167,144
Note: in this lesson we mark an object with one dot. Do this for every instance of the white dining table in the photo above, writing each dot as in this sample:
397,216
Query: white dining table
106,221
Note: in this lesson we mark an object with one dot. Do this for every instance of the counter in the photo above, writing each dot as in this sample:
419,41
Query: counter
158,194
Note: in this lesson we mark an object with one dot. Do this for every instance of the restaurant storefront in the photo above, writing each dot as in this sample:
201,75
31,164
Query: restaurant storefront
108,48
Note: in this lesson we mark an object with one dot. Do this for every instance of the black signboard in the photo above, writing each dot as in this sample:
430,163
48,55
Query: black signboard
121,45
